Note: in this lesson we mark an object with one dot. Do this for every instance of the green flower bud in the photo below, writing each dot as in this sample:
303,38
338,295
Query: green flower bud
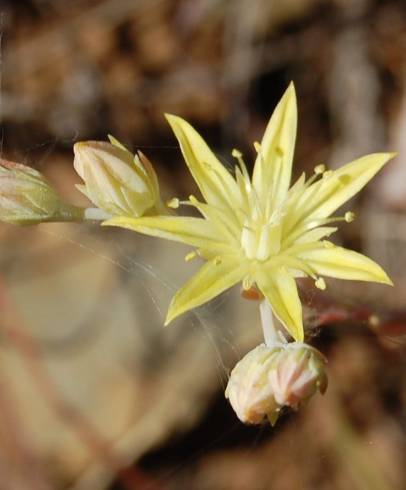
270,378
115,180
26,197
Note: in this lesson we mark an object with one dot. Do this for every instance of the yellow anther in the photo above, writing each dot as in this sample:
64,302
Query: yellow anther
320,283
319,169
190,256
217,261
236,153
349,216
173,203
257,146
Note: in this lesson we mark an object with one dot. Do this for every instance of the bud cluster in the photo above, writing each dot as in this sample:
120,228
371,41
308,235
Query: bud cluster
270,378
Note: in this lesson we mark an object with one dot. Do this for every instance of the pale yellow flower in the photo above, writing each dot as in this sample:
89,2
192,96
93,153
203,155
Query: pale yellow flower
26,197
116,181
258,230
269,378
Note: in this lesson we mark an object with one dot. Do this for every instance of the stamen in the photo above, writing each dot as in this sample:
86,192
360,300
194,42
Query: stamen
320,283
319,169
173,203
238,155
349,216
190,256
191,202
257,146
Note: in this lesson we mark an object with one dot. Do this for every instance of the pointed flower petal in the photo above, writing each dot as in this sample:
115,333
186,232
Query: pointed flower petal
316,234
326,259
273,166
215,183
323,197
212,279
196,232
280,289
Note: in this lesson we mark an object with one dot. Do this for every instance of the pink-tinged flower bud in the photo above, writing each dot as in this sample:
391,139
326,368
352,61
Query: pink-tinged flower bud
298,374
115,180
26,197
270,378
248,388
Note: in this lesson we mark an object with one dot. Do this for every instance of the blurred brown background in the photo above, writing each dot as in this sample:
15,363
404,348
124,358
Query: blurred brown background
94,393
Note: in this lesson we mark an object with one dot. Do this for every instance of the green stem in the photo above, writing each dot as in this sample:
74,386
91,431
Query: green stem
95,214
67,213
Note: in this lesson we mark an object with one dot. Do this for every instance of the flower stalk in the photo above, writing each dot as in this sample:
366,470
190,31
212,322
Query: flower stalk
271,328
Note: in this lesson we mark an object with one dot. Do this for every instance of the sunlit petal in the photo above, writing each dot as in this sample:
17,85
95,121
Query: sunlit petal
323,197
197,232
273,166
212,279
329,260
279,287
215,183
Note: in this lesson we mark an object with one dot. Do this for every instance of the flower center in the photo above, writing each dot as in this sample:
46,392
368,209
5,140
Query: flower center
259,241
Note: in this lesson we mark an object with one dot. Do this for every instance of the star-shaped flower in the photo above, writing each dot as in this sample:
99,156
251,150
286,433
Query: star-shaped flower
258,230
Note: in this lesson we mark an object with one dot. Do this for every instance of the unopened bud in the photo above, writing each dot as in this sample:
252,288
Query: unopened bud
268,379
26,197
115,180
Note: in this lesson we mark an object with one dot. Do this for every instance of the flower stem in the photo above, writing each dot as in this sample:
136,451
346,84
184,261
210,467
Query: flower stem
68,213
95,214
272,334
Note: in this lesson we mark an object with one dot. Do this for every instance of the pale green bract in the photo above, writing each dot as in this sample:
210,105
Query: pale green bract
258,230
